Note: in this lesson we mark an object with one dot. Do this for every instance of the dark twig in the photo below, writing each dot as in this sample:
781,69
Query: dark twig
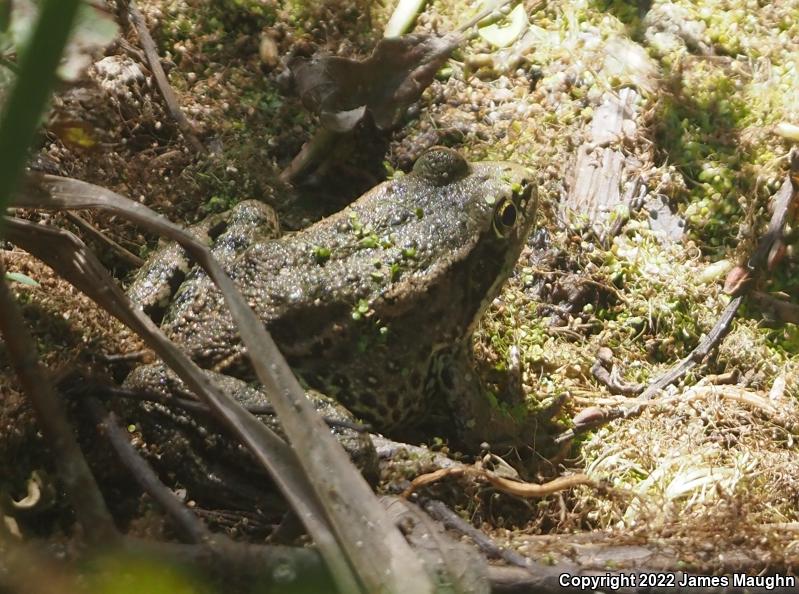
126,255
191,529
785,204
613,384
602,372
51,414
776,309
153,60
694,358
740,278
439,511
130,49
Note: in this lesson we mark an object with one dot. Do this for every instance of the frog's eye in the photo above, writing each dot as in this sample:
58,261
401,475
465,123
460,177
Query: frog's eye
505,216
440,165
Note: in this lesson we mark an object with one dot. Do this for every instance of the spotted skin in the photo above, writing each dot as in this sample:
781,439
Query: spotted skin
368,303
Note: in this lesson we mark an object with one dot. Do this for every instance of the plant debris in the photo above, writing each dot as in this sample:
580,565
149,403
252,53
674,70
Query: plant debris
342,91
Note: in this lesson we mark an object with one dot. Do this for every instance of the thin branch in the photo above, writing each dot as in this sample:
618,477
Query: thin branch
678,371
516,488
154,61
188,525
601,370
739,282
785,204
439,511
51,414
126,255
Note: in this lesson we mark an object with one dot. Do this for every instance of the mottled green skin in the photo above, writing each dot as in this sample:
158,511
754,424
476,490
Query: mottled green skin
368,303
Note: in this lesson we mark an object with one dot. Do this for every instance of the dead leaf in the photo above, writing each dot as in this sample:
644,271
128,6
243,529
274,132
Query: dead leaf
342,90
74,134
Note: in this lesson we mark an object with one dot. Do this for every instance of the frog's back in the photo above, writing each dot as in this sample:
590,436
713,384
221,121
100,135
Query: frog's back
360,301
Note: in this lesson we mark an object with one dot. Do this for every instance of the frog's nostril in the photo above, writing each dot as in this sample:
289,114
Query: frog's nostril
527,189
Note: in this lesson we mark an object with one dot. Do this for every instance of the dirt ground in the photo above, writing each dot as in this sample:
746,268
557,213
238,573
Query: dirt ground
711,466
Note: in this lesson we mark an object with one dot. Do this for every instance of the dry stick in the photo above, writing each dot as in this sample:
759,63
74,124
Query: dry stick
51,414
517,488
126,255
785,203
694,358
439,511
150,50
615,385
188,525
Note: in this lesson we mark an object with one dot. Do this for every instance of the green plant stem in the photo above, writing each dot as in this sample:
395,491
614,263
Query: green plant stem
28,99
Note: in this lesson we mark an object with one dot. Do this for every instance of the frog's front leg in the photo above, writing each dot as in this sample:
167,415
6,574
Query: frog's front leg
228,234
201,458
479,416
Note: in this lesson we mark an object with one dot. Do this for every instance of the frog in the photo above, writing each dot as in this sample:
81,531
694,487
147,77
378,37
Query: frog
373,307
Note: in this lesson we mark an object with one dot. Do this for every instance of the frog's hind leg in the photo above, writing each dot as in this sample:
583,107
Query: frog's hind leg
163,423
166,268
228,234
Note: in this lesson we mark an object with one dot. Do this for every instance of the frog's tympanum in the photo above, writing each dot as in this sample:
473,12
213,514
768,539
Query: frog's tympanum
374,306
